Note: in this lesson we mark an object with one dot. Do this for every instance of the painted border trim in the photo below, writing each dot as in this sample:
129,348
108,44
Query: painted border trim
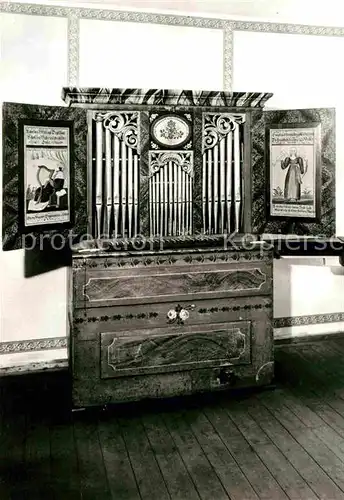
74,14
31,345
312,319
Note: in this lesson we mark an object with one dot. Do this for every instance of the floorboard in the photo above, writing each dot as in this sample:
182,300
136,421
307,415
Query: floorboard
254,469
288,478
121,478
92,473
306,465
173,469
199,467
286,443
231,476
148,475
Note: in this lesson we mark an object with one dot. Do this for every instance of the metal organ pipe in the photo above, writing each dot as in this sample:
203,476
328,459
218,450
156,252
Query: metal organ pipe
183,187
170,193
210,198
179,187
229,139
165,198
151,206
237,177
107,181
136,194
204,192
130,191
222,171
189,227
116,174
99,176
116,167
175,198
222,183
216,186
162,200
123,162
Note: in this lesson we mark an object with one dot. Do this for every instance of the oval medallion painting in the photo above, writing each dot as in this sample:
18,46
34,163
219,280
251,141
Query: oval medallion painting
171,130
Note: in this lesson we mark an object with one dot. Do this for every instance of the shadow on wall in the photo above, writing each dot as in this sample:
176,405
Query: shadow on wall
39,261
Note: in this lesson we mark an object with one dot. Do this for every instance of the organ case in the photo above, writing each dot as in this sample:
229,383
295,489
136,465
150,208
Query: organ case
167,297
164,303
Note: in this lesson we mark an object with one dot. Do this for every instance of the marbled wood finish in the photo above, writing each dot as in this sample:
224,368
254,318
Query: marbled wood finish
144,174
198,172
134,323
89,388
173,284
11,114
260,224
163,97
223,344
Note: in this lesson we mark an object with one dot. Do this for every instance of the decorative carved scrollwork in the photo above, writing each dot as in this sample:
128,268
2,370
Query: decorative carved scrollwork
217,126
123,125
183,159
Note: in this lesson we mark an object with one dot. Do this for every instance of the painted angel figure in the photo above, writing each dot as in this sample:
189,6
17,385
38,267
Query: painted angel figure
293,179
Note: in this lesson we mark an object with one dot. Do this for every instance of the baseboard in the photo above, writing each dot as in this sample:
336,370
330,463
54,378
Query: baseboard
42,366
307,320
32,345
307,339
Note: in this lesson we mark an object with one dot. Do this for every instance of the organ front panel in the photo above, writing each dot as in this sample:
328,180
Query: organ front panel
162,173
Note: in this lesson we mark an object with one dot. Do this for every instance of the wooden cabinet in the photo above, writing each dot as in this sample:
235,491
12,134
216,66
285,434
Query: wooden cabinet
170,323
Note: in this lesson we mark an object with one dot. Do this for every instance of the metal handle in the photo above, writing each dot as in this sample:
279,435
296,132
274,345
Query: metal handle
227,377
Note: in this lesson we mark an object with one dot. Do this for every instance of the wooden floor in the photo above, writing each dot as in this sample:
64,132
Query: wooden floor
277,444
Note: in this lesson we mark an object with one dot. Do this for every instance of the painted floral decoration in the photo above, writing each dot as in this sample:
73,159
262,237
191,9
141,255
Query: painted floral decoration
179,314
172,314
171,131
184,314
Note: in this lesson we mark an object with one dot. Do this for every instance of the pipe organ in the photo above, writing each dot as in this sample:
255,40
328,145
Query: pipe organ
183,313
172,162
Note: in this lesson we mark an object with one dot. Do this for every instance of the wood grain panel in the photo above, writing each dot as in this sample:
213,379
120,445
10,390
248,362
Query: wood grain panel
164,286
155,355
221,344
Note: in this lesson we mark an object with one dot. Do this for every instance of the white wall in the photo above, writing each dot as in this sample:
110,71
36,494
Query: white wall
34,68
34,65
303,72
149,56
